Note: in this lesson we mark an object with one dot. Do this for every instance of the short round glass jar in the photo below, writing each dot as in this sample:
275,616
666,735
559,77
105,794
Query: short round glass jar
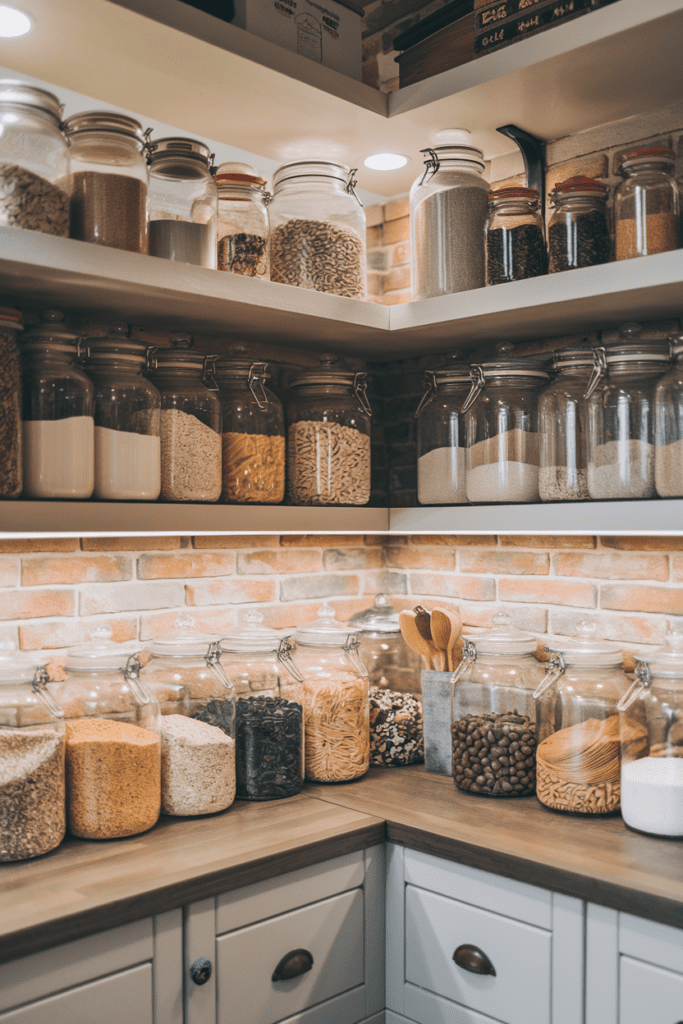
317,229
493,721
646,204
669,426
335,699
58,427
11,472
577,753
34,160
109,179
442,435
563,474
127,418
448,210
621,415
578,231
503,439
253,432
32,791
243,223
651,720
191,466
113,764
515,239
328,437
182,202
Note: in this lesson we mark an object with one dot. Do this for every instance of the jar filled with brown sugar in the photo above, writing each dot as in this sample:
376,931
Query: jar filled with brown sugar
646,204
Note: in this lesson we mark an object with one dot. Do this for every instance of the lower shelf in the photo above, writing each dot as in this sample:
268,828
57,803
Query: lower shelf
659,515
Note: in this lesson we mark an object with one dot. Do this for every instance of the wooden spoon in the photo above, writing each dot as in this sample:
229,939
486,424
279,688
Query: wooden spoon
424,625
414,638
441,634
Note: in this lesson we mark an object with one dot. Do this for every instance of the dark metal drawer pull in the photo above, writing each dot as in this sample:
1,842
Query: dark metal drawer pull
200,970
297,962
474,960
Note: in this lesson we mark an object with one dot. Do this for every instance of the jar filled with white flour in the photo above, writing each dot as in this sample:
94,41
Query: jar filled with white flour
441,435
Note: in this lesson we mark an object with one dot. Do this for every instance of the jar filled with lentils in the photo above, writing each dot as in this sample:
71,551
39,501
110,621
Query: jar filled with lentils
243,222
10,405
515,239
646,204
578,232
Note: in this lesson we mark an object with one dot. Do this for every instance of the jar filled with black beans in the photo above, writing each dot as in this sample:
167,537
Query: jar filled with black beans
578,232
515,240
270,748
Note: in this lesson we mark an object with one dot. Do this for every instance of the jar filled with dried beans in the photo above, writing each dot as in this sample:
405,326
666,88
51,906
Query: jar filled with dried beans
182,202
646,204
243,224
328,437
515,238
10,405
578,232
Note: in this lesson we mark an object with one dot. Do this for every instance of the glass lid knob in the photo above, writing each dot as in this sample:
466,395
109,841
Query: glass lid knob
184,621
102,633
252,618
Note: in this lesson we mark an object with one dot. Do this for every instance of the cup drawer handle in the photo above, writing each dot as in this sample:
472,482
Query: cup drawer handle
294,963
474,960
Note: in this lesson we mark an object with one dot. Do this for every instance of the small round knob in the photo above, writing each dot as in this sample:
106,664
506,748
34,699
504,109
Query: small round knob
201,970
474,960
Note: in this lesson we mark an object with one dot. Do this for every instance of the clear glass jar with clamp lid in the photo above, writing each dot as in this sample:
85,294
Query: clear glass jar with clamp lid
442,434
563,474
646,203
243,223
182,202
669,426
578,232
515,238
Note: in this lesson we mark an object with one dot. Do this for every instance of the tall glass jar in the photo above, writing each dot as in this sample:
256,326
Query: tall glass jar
493,721
448,210
34,160
336,707
328,437
515,237
503,440
317,229
32,794
109,179
182,202
669,426
620,415
442,435
253,432
578,232
58,407
190,423
563,475
652,767
243,223
646,204
10,405
127,419
578,754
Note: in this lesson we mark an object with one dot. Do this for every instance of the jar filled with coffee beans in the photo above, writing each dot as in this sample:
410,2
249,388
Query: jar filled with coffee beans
493,721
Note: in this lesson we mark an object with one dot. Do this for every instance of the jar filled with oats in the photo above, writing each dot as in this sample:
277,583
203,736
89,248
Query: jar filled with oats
336,702
328,437
253,432
190,422
578,755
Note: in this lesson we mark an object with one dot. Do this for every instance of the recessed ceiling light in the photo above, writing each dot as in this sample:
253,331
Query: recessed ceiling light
385,161
13,22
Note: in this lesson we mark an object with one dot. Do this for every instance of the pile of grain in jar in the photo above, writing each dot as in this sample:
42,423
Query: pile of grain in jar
197,767
577,768
644,235
504,467
109,209
327,464
319,255
190,458
32,816
336,728
113,778
253,468
395,728
31,202
622,469
449,242
562,483
669,469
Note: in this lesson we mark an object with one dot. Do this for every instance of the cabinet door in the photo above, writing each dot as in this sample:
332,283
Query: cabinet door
124,997
649,995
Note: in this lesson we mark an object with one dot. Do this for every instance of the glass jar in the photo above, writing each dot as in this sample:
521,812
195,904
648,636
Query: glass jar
336,705
669,426
448,210
32,800
503,440
578,231
243,223
620,416
127,419
191,467
493,720
253,432
317,229
109,179
442,435
34,160
58,428
11,477
113,767
182,201
577,756
197,726
515,238
651,720
328,437
563,475
646,204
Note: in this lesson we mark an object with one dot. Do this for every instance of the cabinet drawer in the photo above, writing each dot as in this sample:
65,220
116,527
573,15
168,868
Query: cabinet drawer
331,930
521,955
120,997
649,995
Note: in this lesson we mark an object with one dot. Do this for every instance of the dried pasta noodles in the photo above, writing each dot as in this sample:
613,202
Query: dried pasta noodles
337,728
327,464
253,468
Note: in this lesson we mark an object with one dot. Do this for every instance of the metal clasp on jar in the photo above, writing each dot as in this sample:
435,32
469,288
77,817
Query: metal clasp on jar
599,370
360,390
254,382
642,682
284,656
351,650
351,186
40,681
209,373
556,668
431,166
478,385
132,676
213,661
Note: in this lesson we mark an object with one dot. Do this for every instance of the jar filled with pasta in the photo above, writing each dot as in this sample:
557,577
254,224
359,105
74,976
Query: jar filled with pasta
336,703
